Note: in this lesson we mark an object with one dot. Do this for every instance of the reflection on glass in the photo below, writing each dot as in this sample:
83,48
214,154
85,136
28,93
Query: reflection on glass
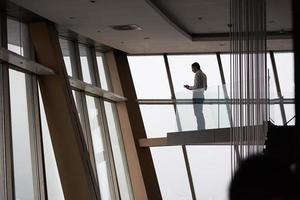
158,120
23,160
285,69
104,78
14,31
85,63
171,173
101,156
149,77
54,188
118,152
211,171
181,71
66,46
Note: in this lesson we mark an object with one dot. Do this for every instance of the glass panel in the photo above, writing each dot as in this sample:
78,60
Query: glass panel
290,113
181,71
54,187
118,152
171,173
104,77
150,77
66,48
14,32
211,115
22,151
158,120
85,63
272,86
78,102
100,152
275,114
211,171
285,69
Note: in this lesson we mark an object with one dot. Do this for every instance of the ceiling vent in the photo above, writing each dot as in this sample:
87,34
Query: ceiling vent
126,27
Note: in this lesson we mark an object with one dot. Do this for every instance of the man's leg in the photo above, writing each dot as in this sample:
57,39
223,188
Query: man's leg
198,111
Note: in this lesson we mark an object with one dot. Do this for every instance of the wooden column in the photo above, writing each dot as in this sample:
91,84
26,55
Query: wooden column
141,168
74,165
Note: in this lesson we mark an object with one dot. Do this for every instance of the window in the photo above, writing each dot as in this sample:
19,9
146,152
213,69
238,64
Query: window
285,69
86,64
118,152
68,55
149,77
103,73
171,173
211,170
158,120
100,152
23,151
181,71
15,30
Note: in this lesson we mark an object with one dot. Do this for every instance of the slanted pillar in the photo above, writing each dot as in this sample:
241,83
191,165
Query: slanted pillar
141,168
72,157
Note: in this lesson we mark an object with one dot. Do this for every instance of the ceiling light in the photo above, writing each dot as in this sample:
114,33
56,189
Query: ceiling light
126,27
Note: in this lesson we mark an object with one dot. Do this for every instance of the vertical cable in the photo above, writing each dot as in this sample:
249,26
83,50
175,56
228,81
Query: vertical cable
248,77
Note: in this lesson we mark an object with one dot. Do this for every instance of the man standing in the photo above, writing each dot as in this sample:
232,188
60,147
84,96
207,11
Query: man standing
200,84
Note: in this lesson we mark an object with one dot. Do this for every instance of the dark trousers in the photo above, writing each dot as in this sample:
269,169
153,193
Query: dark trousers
198,111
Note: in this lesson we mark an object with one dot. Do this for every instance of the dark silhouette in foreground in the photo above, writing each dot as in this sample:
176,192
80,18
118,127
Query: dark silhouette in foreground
262,177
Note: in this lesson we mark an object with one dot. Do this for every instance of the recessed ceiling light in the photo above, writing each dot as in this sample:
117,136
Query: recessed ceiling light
126,27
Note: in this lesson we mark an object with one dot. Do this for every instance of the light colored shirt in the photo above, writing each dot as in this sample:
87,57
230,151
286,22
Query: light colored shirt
200,84
200,81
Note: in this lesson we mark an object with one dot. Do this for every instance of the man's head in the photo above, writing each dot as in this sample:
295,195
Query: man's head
195,67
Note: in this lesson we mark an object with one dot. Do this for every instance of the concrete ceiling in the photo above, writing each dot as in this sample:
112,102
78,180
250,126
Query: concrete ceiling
169,26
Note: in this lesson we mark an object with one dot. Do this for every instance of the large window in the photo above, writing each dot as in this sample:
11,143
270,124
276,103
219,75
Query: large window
118,152
23,151
209,166
100,150
171,173
181,71
86,64
149,77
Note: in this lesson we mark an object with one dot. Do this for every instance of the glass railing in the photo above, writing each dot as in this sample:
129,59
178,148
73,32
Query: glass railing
199,109
213,108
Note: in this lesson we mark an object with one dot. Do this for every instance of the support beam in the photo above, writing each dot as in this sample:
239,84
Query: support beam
74,165
141,168
276,78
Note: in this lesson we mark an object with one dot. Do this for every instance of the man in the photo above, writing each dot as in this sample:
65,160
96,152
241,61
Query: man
200,84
